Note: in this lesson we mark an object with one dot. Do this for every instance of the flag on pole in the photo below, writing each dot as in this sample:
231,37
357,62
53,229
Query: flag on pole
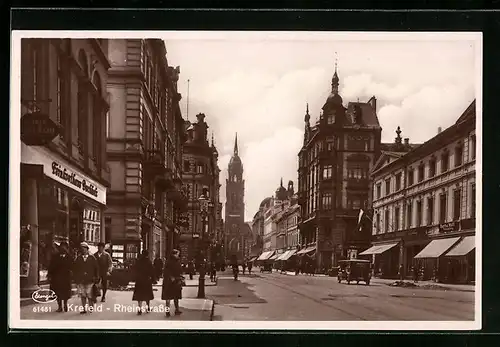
360,217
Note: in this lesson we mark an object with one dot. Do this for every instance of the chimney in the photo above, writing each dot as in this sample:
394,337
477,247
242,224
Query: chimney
407,141
439,130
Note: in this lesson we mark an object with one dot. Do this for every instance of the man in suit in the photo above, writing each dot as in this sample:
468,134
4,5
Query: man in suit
86,274
105,267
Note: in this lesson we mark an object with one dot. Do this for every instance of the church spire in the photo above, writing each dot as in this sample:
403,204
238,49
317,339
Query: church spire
335,78
236,144
307,117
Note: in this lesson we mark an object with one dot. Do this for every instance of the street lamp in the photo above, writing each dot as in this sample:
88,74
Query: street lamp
204,205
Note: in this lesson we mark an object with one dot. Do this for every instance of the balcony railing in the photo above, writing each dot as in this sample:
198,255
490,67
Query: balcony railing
153,160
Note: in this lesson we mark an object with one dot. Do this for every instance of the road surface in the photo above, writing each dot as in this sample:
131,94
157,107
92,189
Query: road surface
280,297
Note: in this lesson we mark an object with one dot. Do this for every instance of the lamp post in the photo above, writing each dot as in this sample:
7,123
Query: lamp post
204,207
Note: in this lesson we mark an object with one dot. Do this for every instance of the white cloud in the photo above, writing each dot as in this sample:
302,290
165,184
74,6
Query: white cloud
259,88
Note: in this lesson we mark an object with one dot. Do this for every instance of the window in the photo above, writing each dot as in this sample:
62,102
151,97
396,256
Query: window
432,167
419,213
60,90
331,119
327,201
473,147
199,168
377,224
387,216
458,155
187,166
421,172
82,116
388,186
329,146
379,190
430,210
327,172
456,204
409,215
398,181
108,130
473,201
442,208
107,228
445,158
410,177
396,219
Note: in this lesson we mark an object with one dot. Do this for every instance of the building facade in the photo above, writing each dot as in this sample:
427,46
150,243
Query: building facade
145,135
64,180
235,227
425,207
334,184
201,177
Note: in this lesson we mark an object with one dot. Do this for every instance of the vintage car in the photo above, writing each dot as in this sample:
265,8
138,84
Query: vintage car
354,270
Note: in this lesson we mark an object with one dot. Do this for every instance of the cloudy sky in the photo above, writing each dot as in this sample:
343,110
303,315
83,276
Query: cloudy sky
258,85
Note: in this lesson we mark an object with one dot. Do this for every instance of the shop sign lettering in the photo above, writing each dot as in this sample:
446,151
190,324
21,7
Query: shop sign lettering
38,129
70,177
447,227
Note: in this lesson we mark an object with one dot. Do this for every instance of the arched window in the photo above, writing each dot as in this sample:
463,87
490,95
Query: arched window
82,60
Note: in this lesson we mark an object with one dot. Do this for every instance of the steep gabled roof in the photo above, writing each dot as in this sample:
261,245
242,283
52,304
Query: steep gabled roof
368,114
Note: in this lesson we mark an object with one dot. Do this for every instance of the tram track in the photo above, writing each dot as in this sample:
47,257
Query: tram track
435,307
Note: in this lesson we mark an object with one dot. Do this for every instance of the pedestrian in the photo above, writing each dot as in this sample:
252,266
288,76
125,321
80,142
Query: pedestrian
414,272
105,267
172,282
244,266
158,265
144,277
59,275
249,267
213,271
191,269
86,273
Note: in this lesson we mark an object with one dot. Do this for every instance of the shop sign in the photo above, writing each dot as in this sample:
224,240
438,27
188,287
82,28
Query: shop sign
448,227
37,129
63,173
72,178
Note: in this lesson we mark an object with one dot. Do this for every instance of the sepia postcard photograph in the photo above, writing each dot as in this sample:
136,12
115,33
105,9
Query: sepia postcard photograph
245,180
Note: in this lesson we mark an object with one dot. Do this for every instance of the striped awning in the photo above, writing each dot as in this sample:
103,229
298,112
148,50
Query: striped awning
265,255
306,250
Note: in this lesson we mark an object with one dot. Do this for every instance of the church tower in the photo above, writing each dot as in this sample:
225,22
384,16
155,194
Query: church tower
235,205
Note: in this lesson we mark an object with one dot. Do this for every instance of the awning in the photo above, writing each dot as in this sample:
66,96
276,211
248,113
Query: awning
252,259
280,256
265,255
288,254
306,250
436,248
464,247
274,257
379,249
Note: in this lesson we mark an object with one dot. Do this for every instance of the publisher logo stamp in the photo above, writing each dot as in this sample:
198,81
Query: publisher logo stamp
44,296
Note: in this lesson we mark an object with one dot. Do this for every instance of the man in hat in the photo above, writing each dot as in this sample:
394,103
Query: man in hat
86,275
105,267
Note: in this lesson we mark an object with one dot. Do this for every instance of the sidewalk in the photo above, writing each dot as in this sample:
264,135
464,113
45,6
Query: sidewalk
423,284
119,306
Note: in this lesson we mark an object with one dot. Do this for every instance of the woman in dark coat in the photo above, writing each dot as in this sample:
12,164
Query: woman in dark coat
144,278
60,276
172,282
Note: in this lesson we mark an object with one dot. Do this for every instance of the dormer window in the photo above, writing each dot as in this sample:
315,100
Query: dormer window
331,119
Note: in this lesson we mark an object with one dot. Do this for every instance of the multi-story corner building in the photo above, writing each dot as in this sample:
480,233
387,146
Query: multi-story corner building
65,176
425,206
334,164
201,177
145,134
235,207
